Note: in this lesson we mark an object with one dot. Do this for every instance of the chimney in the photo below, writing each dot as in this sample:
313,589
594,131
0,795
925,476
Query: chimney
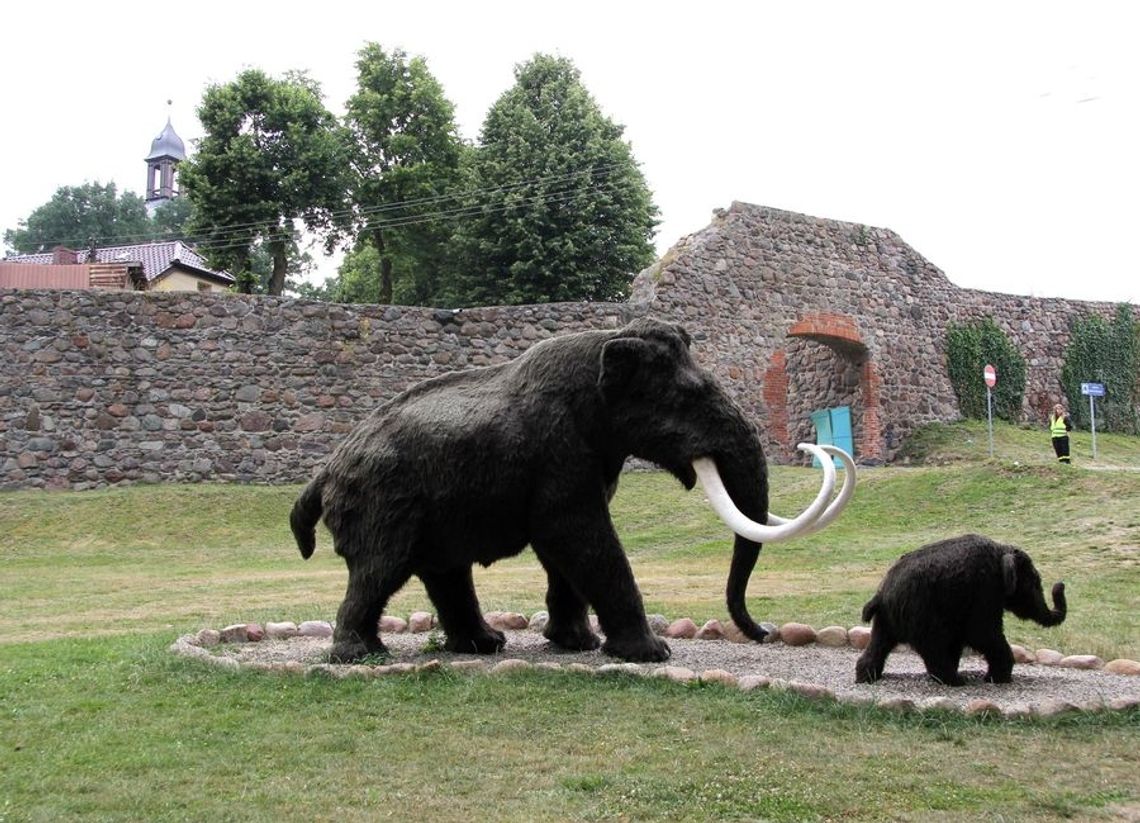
63,256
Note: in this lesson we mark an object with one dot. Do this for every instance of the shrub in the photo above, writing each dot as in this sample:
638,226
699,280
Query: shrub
969,348
1108,353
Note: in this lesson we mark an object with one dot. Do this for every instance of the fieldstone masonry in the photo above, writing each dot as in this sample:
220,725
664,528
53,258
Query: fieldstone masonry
793,313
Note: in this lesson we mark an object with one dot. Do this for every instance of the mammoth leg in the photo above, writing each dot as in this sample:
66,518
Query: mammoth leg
569,625
357,630
453,594
941,660
999,656
577,540
869,666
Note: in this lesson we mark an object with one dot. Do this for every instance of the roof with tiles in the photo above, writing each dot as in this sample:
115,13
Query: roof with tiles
156,259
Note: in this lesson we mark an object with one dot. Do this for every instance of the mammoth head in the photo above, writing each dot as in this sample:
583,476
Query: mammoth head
665,408
660,405
1023,594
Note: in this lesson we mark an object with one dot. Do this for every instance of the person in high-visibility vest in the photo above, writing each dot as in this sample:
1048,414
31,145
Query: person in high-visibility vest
1060,424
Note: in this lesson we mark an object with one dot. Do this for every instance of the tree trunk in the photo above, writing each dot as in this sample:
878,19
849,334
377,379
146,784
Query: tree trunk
385,295
243,276
280,266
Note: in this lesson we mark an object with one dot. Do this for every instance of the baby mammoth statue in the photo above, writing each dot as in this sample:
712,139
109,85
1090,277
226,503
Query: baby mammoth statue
949,595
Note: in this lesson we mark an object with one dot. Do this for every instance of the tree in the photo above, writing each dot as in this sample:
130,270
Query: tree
1106,353
405,160
171,220
272,154
77,214
969,348
560,210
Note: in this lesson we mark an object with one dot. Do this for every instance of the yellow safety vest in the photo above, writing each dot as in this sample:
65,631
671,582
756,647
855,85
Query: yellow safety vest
1057,426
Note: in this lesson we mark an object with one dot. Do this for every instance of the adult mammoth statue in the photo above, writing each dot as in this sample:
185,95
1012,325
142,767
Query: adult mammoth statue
473,466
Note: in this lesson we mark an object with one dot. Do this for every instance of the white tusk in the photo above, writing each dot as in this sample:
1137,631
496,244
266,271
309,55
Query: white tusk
750,529
838,504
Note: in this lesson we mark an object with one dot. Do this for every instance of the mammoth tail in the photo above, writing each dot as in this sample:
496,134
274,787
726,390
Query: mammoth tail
871,609
306,512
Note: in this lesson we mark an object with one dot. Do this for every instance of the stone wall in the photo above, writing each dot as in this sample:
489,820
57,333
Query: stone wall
101,388
793,313
757,282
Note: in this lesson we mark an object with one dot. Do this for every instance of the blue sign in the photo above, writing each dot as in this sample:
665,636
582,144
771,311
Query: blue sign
1093,389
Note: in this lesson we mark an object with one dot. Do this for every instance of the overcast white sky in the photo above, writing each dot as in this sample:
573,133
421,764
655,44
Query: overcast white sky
1000,139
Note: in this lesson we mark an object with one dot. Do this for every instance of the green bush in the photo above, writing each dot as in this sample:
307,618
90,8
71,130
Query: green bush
1108,353
969,348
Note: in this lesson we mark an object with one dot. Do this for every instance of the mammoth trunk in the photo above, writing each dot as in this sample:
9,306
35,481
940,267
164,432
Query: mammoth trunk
746,480
744,556
1056,615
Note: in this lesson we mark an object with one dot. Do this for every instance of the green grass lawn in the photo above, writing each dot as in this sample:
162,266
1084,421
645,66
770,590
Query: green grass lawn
98,721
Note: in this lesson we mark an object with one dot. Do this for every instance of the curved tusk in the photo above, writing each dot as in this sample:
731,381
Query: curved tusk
839,503
750,529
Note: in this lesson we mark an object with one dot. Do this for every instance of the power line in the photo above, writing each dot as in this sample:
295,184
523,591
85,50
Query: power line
220,233
554,198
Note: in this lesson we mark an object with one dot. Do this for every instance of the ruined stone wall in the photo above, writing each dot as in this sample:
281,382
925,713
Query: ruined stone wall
101,388
749,277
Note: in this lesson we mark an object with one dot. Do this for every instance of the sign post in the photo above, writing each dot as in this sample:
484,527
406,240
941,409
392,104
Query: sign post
990,375
1093,390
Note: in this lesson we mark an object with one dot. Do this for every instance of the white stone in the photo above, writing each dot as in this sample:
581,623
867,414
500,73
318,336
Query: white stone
711,630
315,628
678,674
832,636
1122,665
1049,657
725,678
797,634
511,664
280,631
682,628
1081,661
859,637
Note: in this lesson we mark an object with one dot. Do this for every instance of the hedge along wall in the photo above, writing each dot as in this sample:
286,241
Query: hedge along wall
100,388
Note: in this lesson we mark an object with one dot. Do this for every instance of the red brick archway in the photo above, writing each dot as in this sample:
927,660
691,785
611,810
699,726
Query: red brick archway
840,333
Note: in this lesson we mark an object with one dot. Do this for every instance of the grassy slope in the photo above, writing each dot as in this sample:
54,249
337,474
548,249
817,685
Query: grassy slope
98,721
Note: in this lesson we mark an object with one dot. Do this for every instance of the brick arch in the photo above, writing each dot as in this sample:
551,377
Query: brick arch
839,332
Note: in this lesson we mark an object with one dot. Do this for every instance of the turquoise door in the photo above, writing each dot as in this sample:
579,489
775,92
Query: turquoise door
833,428
841,430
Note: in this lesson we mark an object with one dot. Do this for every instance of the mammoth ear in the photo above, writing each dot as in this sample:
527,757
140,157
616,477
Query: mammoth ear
1009,572
621,358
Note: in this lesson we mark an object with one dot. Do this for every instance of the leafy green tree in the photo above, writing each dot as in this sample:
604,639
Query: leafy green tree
1108,353
405,160
272,155
77,214
559,210
172,219
969,348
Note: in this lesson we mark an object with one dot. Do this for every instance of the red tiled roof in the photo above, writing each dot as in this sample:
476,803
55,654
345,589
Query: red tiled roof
156,258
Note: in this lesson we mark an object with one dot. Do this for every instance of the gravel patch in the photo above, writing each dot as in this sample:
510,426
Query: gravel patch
814,670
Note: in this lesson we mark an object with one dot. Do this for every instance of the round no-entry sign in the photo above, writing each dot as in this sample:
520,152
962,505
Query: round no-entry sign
990,374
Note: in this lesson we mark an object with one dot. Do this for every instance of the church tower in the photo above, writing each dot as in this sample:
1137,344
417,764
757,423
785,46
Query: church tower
166,151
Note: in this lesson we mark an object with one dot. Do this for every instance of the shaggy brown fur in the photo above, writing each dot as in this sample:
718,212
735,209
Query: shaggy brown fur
949,595
473,466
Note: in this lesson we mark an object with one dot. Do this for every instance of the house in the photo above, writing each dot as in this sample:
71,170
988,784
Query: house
161,266
167,266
